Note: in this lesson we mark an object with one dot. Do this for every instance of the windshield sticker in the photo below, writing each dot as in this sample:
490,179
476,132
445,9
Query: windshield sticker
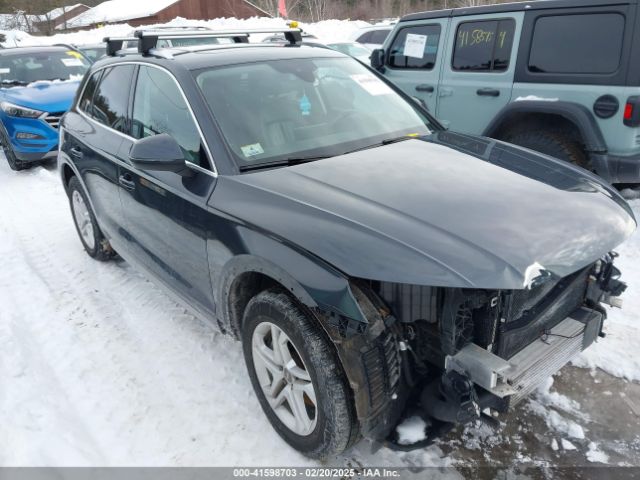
252,150
372,84
414,45
4,70
71,53
305,105
71,62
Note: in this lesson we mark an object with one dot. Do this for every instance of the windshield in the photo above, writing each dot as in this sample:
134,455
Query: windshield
23,69
197,41
302,108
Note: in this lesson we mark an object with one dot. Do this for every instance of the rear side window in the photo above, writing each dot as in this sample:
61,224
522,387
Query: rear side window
159,107
364,38
89,90
586,43
415,47
483,46
379,36
111,101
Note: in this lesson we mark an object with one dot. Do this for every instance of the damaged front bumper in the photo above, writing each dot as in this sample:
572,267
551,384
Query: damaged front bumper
450,354
515,378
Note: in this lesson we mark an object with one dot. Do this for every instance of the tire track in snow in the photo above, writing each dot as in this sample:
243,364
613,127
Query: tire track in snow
94,303
132,379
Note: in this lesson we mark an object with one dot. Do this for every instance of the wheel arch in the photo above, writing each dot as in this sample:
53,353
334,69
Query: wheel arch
66,172
315,286
574,117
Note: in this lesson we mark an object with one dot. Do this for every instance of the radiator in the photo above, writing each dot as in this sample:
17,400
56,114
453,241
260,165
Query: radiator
518,376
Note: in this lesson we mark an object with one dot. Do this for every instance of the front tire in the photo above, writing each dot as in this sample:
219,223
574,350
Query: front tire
12,160
93,241
297,376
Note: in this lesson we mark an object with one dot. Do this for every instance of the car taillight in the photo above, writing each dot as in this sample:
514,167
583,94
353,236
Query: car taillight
631,116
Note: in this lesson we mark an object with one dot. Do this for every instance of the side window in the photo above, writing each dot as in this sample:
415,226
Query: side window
365,37
87,96
483,46
111,101
159,107
586,43
379,36
415,47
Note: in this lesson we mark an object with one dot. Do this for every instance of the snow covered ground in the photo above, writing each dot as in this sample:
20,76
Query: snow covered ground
99,367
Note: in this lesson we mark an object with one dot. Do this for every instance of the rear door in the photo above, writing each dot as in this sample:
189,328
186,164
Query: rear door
166,213
95,134
414,59
477,78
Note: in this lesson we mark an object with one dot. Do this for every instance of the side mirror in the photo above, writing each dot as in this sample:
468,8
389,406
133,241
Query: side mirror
377,59
158,153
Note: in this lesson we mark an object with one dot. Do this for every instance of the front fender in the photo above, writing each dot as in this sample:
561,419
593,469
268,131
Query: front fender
338,304
311,281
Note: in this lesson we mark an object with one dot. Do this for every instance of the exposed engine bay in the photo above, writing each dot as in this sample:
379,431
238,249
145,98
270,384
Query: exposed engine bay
454,353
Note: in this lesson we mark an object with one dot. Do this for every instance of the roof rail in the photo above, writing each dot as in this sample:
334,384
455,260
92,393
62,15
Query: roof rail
147,40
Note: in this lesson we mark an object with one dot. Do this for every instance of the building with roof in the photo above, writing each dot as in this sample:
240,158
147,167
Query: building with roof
45,23
146,12
57,18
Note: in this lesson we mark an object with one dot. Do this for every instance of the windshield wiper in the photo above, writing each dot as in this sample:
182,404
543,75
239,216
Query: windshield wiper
387,141
14,82
287,162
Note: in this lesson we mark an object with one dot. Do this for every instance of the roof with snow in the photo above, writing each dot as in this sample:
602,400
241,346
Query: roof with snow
56,12
113,11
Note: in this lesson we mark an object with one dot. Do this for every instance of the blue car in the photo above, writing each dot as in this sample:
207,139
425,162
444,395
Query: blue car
37,86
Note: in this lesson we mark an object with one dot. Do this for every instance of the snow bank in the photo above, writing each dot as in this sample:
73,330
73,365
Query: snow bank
617,354
326,31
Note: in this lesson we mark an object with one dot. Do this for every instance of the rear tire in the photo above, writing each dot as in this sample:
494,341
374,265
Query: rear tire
554,144
93,241
328,424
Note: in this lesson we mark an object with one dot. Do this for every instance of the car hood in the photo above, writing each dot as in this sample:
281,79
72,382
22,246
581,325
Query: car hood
445,210
46,96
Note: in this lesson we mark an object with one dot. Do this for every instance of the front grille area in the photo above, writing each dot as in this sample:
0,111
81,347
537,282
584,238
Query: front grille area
408,302
530,313
53,119
441,321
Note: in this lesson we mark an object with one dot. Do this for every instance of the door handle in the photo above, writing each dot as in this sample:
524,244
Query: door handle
126,180
424,88
488,92
76,152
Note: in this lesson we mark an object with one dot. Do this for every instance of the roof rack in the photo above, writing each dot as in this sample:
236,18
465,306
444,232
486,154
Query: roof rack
147,40
181,27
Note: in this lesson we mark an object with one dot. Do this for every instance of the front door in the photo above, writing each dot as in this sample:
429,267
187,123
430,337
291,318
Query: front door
166,214
477,79
98,126
414,59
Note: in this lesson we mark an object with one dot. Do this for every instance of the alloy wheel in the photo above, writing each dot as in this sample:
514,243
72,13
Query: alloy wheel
284,378
82,218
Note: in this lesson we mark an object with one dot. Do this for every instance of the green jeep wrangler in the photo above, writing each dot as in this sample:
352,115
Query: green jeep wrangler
555,76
